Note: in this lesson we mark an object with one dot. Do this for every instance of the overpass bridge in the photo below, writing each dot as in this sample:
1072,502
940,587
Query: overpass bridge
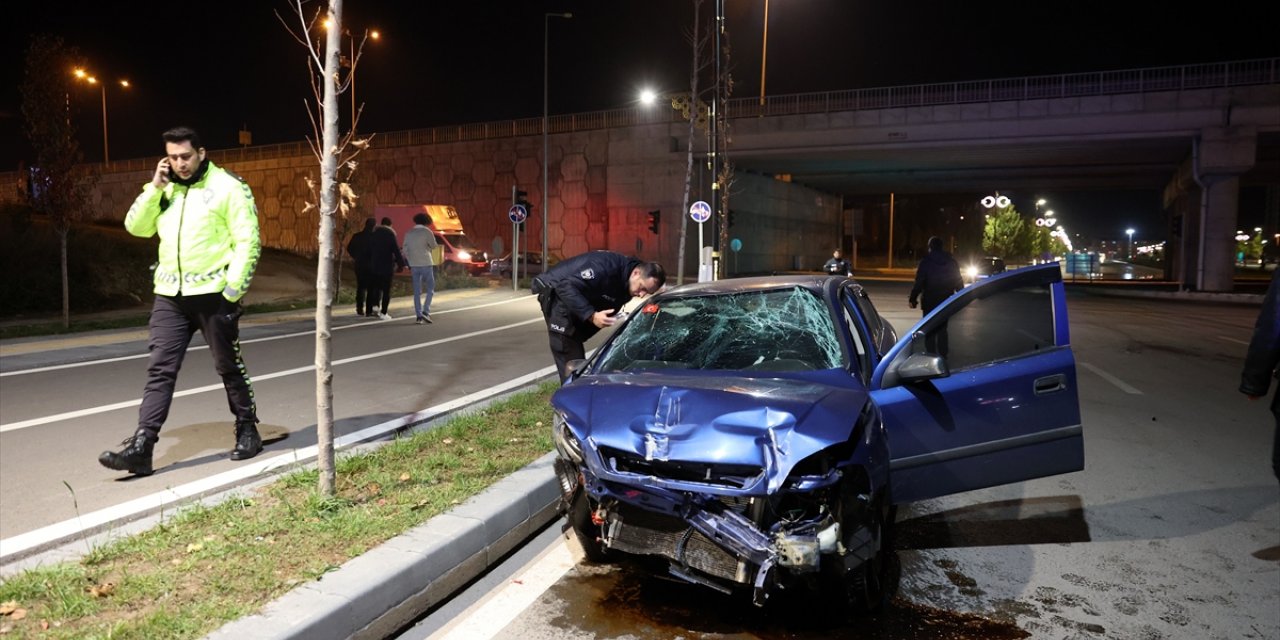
1198,132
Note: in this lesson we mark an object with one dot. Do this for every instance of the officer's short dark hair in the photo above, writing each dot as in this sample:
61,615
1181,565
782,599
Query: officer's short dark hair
386,222
935,243
179,135
369,224
653,270
421,219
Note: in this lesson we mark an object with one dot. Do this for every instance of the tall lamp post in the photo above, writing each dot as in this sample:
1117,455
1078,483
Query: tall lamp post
83,75
546,35
369,34
1129,232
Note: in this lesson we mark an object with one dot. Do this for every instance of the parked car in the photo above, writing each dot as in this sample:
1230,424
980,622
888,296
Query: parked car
530,265
758,433
983,267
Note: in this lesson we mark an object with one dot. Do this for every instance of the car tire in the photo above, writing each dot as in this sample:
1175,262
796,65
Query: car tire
584,529
871,585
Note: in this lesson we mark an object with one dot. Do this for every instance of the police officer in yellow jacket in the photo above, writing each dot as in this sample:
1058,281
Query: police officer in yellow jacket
209,248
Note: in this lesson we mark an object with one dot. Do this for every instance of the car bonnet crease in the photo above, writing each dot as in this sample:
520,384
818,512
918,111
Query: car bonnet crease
767,423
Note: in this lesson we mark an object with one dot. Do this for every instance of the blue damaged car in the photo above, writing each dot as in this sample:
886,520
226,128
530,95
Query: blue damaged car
756,434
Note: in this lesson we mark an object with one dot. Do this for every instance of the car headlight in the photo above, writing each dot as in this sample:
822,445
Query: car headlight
464,255
566,443
972,272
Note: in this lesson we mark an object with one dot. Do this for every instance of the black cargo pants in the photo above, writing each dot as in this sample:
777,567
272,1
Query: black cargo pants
174,319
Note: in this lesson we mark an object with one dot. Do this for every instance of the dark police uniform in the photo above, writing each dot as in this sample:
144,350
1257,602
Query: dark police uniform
575,289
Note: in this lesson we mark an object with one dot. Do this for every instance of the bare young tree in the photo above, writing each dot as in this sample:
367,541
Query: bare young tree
58,185
693,111
336,154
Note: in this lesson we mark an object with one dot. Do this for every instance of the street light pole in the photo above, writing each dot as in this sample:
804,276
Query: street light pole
546,36
764,50
106,151
1129,231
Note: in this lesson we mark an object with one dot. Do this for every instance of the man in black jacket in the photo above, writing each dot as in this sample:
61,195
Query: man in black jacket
385,260
937,277
581,296
1261,360
358,248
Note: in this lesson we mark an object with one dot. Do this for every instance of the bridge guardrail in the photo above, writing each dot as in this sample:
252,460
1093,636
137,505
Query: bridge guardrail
1071,85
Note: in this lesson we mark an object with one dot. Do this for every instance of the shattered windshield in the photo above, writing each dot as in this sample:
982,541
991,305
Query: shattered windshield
779,330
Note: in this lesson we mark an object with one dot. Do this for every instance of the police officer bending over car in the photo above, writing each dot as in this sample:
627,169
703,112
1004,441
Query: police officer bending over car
581,296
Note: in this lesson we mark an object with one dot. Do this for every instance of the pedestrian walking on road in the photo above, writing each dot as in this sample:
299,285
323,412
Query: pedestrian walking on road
209,247
419,242
385,261
581,295
1262,358
358,248
937,277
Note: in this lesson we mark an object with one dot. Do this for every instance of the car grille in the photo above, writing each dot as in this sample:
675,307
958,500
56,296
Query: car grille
641,532
724,475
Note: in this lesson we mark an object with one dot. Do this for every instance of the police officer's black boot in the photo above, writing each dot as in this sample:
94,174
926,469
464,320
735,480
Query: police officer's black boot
135,457
248,442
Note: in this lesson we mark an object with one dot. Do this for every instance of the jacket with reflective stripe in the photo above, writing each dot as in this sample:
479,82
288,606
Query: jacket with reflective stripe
208,234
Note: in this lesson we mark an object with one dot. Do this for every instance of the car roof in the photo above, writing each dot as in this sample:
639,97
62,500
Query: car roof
814,283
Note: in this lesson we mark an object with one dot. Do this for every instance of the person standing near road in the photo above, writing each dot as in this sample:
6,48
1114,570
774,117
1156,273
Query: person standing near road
581,295
358,248
419,242
209,247
1262,358
385,260
837,265
937,277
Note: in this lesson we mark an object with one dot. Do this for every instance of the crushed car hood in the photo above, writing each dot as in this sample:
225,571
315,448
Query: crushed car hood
767,424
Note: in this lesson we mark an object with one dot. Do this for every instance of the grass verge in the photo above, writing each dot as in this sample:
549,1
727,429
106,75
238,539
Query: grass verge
207,566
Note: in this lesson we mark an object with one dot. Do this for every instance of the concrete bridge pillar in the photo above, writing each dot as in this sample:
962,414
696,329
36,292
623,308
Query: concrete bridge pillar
1205,197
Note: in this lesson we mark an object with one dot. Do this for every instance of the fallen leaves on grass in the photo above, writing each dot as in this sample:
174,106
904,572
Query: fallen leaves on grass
102,590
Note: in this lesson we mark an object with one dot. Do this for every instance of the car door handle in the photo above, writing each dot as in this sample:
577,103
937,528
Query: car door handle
1050,384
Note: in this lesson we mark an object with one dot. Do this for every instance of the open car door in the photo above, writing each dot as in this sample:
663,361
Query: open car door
982,391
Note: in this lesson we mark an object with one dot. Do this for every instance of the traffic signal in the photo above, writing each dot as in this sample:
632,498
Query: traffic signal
655,217
521,198
731,222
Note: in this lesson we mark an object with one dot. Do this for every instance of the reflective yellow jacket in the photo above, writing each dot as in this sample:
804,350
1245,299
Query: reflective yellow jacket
208,234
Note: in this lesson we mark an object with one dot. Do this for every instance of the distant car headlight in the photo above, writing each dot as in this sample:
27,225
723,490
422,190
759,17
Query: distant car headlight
972,272
566,443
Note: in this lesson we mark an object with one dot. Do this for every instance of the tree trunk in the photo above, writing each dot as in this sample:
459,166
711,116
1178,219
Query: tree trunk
325,268
688,169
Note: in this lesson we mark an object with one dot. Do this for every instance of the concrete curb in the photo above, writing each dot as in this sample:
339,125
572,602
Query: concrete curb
380,591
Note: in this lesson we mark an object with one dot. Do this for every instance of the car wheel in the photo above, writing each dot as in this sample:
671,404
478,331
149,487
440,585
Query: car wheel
586,531
870,586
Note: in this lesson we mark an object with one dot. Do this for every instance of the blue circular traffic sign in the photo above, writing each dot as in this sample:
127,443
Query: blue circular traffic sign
517,213
700,211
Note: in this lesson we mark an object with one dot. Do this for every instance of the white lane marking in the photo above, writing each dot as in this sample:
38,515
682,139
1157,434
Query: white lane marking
298,334
485,619
1233,340
256,378
1112,379
174,495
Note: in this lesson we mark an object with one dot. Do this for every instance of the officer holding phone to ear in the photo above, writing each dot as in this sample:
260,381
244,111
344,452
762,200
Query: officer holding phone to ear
209,247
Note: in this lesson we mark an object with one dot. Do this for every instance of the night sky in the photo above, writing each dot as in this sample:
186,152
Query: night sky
222,65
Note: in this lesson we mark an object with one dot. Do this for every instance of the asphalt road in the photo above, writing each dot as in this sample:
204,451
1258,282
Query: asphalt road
1172,530
64,401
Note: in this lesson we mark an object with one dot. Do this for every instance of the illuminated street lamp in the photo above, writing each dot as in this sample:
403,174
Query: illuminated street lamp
1129,232
546,36
85,76
648,97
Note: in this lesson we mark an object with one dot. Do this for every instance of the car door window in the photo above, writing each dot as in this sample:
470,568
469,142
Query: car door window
861,361
994,328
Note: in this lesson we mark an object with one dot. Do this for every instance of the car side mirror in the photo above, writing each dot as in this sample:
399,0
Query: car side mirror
575,367
922,366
